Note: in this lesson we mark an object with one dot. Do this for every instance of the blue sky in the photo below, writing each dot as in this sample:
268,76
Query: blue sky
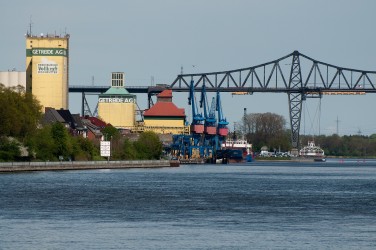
153,39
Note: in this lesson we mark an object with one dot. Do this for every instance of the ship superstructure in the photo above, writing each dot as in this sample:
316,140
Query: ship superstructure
312,151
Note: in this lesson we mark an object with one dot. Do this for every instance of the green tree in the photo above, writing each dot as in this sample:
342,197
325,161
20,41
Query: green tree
41,144
83,149
111,133
266,129
148,146
20,112
129,151
63,146
52,141
9,149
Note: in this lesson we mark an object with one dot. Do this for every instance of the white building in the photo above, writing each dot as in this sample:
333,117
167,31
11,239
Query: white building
13,78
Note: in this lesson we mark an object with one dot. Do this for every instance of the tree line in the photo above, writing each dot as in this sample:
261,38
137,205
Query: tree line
24,137
269,129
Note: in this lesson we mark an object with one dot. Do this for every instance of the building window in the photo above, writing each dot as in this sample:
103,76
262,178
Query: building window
117,79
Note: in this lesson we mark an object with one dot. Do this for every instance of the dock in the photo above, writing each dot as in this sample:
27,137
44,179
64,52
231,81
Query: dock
192,161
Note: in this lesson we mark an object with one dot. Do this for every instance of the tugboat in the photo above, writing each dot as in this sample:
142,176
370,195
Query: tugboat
311,151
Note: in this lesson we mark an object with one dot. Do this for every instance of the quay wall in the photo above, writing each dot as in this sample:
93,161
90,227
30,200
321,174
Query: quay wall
80,165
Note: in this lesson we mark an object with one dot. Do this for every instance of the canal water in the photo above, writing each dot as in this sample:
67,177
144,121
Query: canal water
262,205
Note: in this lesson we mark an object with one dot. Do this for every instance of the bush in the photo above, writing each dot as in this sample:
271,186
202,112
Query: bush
148,146
9,150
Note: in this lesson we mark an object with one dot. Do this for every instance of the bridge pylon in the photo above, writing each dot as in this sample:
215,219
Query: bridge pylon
85,108
295,100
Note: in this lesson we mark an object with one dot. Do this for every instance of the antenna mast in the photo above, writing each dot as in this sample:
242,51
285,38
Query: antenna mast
30,25
337,121
244,123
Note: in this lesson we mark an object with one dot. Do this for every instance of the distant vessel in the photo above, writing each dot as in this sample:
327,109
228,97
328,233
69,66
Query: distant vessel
311,151
235,151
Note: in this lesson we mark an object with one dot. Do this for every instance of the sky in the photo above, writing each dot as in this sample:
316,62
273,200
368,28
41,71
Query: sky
151,40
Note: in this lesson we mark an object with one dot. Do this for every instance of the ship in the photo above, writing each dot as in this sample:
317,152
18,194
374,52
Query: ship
311,151
235,151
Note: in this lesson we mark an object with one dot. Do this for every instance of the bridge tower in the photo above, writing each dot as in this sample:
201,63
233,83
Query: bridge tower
295,100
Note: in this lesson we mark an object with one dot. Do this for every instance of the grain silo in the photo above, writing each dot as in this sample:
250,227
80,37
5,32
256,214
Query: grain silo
47,69
117,106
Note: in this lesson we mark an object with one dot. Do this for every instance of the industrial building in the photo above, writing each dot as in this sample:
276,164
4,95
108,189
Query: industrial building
164,117
13,78
117,106
47,69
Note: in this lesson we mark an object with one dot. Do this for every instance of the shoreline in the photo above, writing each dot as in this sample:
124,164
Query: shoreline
292,159
10,167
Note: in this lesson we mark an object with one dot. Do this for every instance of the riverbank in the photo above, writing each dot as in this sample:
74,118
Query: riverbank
286,159
82,165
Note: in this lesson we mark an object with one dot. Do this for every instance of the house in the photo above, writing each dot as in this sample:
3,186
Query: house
93,131
71,122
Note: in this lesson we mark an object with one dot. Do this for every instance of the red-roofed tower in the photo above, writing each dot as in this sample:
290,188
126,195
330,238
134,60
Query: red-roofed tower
165,117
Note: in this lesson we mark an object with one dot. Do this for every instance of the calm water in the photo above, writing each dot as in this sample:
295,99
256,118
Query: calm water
328,205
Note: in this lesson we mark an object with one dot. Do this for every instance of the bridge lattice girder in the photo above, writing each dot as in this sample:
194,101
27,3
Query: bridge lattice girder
296,74
299,80
274,77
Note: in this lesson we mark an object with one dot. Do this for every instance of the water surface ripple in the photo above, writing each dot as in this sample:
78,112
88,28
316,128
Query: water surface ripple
263,205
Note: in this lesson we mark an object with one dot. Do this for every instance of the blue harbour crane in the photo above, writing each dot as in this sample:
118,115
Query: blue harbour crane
222,122
197,125
191,146
210,138
209,116
207,131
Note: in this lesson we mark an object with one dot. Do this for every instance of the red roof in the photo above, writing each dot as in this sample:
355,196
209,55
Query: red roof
96,121
165,93
165,109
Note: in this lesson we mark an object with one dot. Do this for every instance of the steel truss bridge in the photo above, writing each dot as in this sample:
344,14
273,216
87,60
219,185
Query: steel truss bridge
296,74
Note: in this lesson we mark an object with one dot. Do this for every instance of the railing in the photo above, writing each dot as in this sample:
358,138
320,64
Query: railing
179,130
79,163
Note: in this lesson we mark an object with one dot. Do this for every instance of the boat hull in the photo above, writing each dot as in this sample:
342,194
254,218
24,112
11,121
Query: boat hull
308,159
319,159
232,156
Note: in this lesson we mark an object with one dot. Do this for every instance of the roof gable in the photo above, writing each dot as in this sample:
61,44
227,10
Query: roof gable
67,116
51,116
96,121
116,91
165,93
165,109
78,121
